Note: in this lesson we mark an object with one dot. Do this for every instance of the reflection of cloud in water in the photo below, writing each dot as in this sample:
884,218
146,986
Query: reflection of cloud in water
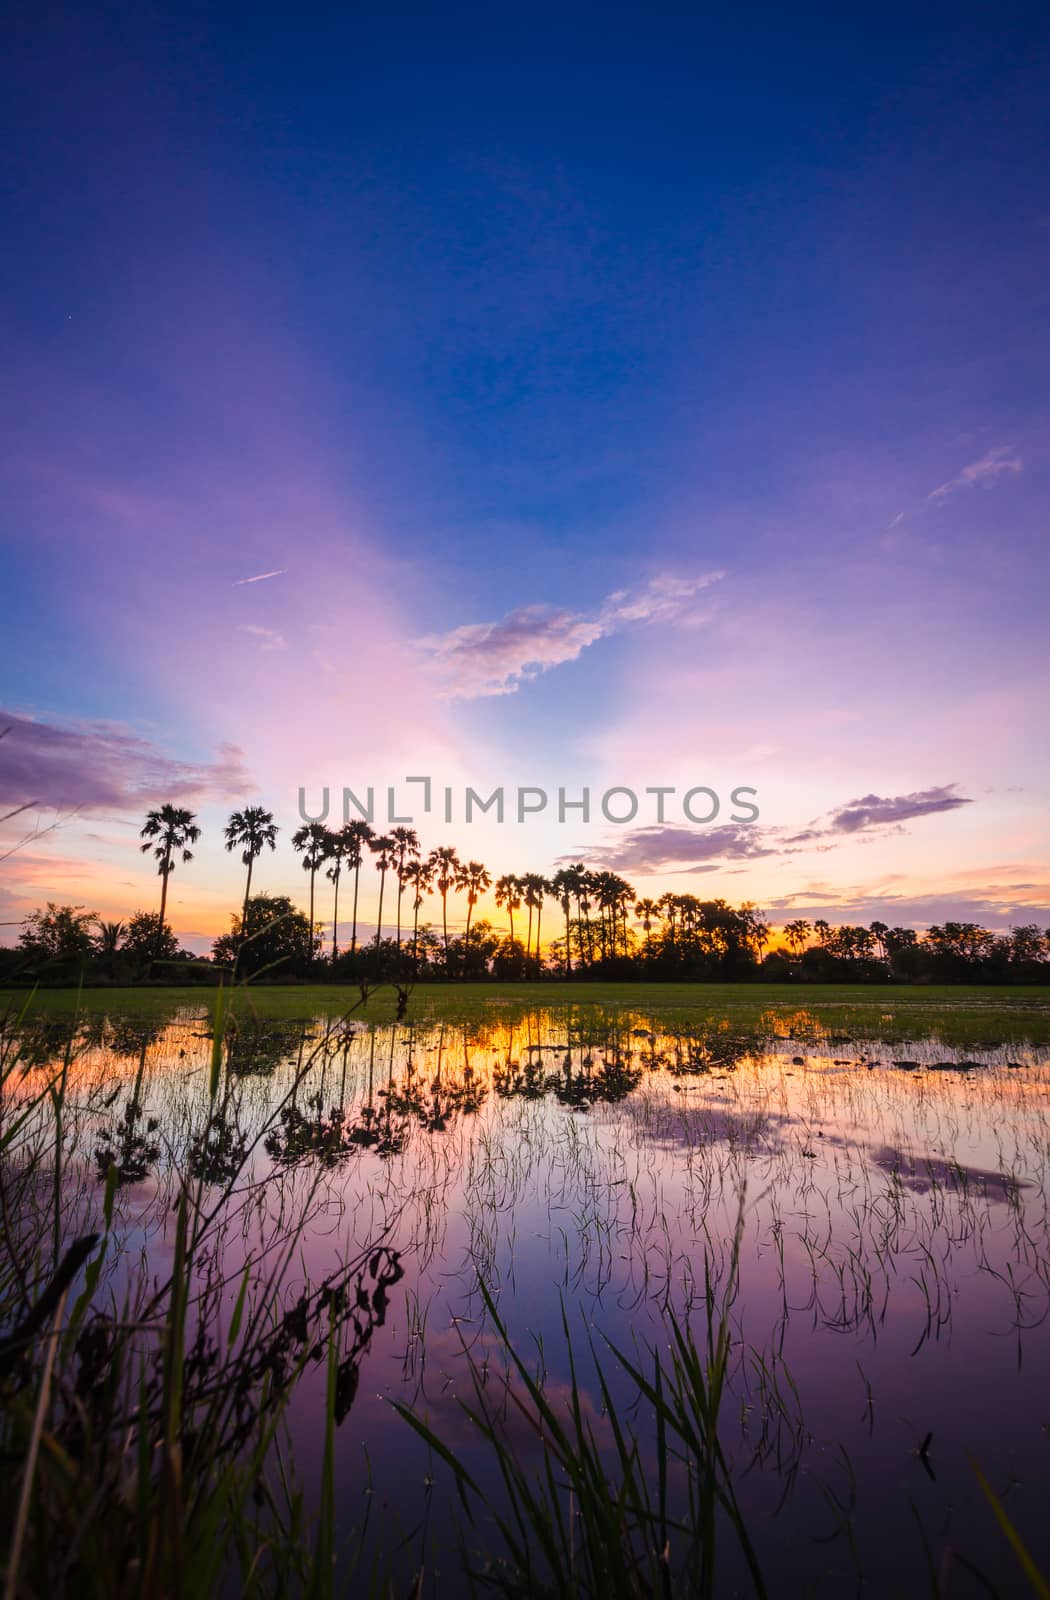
921,1173
680,1122
504,1395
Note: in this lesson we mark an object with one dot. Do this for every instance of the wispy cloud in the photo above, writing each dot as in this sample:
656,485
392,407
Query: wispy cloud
983,473
91,765
493,658
267,637
260,577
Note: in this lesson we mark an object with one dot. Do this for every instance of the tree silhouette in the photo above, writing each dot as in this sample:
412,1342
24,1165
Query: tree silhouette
446,868
420,875
314,842
647,912
169,831
562,885
508,893
109,937
250,831
343,845
406,850
384,849
357,833
475,879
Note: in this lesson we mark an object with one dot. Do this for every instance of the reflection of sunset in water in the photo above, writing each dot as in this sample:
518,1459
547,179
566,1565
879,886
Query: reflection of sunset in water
895,1229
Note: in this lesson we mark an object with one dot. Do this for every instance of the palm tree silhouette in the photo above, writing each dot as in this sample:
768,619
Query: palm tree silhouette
168,832
314,841
562,886
647,911
343,847
384,851
358,834
406,849
508,893
109,937
419,874
446,868
541,888
250,831
475,879
796,934
668,905
533,885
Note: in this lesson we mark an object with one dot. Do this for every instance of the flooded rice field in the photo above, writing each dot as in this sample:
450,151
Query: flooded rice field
545,1305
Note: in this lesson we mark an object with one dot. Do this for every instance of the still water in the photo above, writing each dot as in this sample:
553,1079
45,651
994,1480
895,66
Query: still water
871,1219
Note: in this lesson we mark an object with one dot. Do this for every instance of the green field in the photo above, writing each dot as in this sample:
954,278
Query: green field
979,1015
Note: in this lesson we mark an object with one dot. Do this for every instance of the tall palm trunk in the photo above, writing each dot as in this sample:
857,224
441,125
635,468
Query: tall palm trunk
353,929
400,892
335,919
539,916
165,870
528,936
444,923
244,910
379,920
310,930
568,948
415,934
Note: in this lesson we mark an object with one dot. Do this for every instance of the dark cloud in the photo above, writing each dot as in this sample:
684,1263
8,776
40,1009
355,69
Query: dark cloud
882,811
687,849
695,850
94,765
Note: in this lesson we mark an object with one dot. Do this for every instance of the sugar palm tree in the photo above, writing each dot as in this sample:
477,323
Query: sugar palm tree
647,911
562,886
446,868
250,831
533,885
541,887
420,875
475,879
406,850
384,850
343,846
313,841
357,834
583,888
667,906
796,933
508,893
169,831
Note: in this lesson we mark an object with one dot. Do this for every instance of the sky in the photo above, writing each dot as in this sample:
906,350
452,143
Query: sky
563,399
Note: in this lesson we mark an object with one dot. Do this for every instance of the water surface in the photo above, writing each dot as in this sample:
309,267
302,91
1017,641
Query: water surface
890,1315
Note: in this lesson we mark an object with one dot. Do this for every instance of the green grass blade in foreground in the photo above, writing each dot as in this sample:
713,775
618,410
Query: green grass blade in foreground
1028,1566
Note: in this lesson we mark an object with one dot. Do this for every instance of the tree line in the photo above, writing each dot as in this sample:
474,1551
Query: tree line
597,924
